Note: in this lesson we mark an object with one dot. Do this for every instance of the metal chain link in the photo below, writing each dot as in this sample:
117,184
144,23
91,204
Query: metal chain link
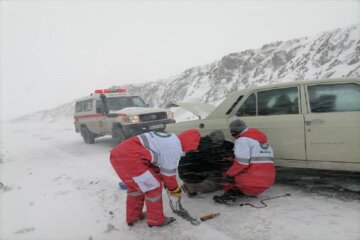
181,212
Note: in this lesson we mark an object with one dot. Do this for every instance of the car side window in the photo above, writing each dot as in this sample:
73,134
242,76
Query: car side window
278,101
234,105
248,108
88,105
79,107
334,97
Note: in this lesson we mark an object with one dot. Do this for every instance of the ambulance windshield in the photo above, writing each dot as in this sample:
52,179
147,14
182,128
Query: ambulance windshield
118,103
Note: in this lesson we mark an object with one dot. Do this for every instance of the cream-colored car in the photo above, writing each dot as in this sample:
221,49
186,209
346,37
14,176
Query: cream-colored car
310,124
114,112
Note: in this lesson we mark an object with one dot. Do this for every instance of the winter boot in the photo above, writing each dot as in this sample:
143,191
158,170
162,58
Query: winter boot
225,198
142,217
167,221
238,194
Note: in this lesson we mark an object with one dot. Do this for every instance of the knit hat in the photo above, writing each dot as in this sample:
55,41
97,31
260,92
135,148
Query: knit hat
237,126
189,139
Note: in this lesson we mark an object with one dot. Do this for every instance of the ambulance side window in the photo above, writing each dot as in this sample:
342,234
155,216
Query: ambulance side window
99,106
79,107
88,105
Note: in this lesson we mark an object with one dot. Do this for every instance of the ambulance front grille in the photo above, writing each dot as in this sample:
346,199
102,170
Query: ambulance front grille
152,117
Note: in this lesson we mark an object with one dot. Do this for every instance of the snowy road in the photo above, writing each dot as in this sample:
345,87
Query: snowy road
337,184
53,186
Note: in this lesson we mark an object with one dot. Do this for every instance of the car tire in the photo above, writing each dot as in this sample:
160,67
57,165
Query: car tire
88,136
118,135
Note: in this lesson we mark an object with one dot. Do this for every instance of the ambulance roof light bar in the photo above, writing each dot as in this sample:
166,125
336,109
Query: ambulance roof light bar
111,90
102,91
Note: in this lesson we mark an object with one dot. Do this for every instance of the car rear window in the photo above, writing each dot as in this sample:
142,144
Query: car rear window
334,97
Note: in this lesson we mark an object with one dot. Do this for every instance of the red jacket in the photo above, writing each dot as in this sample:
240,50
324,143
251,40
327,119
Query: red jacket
253,164
159,151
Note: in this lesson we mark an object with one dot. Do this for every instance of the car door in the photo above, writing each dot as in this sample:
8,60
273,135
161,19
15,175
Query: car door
333,122
101,117
277,113
91,118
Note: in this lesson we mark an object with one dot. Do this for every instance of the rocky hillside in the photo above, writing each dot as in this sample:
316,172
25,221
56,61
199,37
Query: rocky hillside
326,55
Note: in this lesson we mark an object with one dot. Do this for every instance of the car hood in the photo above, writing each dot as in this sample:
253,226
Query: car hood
138,110
199,109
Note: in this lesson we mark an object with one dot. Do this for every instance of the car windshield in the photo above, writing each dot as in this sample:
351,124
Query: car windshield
118,103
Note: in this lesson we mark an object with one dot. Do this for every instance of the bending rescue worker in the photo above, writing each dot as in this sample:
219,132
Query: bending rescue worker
146,162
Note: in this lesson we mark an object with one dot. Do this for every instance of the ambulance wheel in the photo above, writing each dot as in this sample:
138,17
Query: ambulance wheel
118,135
88,136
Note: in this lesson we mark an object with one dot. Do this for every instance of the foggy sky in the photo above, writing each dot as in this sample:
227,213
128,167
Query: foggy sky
56,51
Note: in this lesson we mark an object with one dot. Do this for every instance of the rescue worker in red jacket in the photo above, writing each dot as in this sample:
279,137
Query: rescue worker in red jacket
146,162
252,171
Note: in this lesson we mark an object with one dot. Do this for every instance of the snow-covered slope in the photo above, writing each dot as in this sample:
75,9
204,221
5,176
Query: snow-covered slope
326,55
63,111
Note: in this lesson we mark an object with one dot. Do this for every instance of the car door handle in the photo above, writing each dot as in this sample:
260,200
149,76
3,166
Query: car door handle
314,121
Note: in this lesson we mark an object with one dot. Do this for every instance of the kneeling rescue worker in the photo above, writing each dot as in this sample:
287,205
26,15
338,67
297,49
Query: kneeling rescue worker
252,171
146,162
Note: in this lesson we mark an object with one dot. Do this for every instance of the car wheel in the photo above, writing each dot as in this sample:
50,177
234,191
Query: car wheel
88,136
118,135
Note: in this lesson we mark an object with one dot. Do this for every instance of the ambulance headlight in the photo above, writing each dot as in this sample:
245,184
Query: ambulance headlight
169,115
134,119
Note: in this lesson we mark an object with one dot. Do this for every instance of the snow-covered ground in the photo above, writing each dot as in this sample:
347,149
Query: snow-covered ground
54,186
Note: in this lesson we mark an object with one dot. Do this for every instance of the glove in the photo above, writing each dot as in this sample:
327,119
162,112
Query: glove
229,179
176,192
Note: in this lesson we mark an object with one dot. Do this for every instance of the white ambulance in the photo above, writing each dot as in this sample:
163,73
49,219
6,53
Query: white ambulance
114,112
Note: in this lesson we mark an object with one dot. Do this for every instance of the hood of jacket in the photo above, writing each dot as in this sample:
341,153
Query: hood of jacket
254,134
189,139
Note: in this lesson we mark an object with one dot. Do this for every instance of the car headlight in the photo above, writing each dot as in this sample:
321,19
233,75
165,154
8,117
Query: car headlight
169,115
134,119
